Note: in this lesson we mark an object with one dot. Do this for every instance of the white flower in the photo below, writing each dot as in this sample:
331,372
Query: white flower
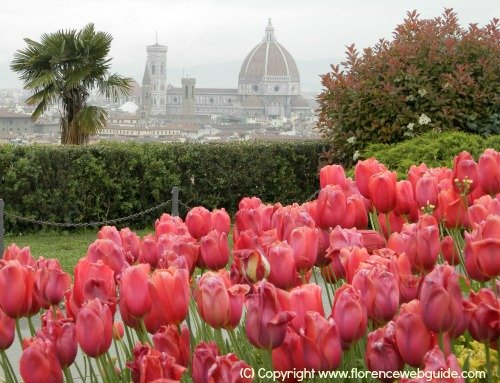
351,140
410,126
356,155
423,119
410,98
422,92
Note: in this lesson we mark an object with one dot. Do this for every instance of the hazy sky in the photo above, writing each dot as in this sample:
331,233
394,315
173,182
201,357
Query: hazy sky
214,31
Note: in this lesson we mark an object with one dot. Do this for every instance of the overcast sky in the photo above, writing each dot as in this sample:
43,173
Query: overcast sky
214,31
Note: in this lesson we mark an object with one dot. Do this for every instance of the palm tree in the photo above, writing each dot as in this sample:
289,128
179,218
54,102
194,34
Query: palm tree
65,67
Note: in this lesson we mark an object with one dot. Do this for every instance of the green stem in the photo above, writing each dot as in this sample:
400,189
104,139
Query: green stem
191,335
129,339
220,340
102,368
441,341
31,327
18,332
388,224
144,332
118,356
327,291
83,377
489,366
67,375
10,375
91,370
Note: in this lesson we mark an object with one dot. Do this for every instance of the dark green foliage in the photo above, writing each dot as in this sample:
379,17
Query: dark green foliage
107,181
434,149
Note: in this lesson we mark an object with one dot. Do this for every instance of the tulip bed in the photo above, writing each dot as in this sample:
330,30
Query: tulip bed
375,274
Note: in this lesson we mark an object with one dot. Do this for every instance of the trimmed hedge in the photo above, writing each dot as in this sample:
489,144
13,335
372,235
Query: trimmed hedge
434,148
112,180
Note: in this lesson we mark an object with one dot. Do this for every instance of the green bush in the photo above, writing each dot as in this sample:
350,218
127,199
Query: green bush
432,75
434,149
107,181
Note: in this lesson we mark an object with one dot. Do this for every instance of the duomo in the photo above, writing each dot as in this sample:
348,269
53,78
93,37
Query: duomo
268,87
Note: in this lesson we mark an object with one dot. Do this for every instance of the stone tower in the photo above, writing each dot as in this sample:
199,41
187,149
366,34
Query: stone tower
154,82
188,101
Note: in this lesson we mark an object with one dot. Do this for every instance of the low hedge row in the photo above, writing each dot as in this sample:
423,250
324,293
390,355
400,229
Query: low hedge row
434,148
111,180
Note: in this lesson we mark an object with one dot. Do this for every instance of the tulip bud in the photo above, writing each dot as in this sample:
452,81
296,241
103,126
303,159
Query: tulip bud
220,221
332,175
382,190
94,328
39,363
134,290
7,331
198,222
214,250
331,207
484,324
349,313
363,172
304,242
489,171
465,173
282,273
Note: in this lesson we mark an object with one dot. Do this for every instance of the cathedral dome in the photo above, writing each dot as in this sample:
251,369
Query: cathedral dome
269,68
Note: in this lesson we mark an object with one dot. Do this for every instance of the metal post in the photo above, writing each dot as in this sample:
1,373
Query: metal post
1,228
175,201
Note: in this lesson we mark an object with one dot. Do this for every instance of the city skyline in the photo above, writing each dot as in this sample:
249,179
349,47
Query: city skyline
211,32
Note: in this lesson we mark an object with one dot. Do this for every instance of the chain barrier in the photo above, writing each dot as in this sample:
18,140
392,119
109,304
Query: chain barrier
87,224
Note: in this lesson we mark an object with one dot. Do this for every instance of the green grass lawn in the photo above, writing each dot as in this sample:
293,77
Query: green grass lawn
67,246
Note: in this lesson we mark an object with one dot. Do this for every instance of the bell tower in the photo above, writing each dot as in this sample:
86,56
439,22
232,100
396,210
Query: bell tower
154,83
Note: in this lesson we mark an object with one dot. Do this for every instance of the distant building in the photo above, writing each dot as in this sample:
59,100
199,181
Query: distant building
268,87
13,124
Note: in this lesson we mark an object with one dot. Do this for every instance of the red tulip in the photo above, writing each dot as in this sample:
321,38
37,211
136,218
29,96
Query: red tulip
131,244
109,253
198,222
405,198
380,292
134,291
249,203
345,238
62,334
13,252
441,299
489,171
287,218
436,363
382,191
219,303
413,338
214,250
18,296
51,284
284,360
303,299
148,252
168,224
351,259
356,215
204,357
39,363
484,324
482,208
118,330
249,219
320,343
94,328
349,313
465,173
151,365
249,266
331,207
426,191
168,340
452,209
304,242
449,251
220,221
111,233
228,369
332,175
169,289
372,240
7,331
382,352
266,321
482,248
428,244
282,273
363,172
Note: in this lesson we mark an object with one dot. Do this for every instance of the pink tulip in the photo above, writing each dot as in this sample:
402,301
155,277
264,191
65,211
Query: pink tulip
214,250
382,191
7,331
332,175
283,272
148,252
94,328
405,199
363,172
228,368
349,313
198,222
39,363
284,360
62,334
204,357
465,173
331,207
301,300
23,256
111,233
356,215
426,191
131,244
51,284
449,250
484,325
168,340
109,253
220,221
134,291
489,171
304,242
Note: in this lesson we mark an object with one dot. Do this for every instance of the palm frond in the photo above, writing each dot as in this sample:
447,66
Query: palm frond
90,119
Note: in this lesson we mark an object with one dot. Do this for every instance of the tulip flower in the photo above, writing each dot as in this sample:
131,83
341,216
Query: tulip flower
249,266
109,253
489,171
428,244
482,208
219,303
266,322
332,175
220,221
204,357
331,207
349,314
405,199
351,259
287,218
62,334
249,203
169,289
51,284
465,173
449,251
250,219
382,352
148,252
301,300
426,192
356,215
198,222
320,343
483,246
441,299
214,250
18,296
396,223
484,324
151,365
435,362
134,290
39,363
131,244
304,242
380,292
111,233
118,330
168,340
168,224
229,369
7,331
363,172
413,338
284,360
94,328
452,209
23,256
382,191
283,272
